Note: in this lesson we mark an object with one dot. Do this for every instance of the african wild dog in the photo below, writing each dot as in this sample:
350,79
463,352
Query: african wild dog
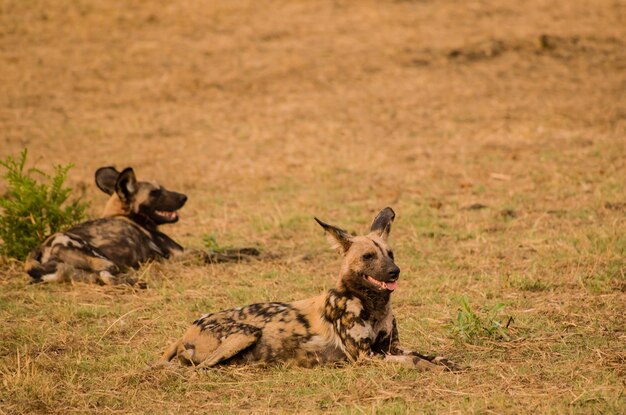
350,322
126,236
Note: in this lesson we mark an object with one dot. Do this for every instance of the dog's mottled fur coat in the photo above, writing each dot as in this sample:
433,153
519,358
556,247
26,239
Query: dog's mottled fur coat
348,323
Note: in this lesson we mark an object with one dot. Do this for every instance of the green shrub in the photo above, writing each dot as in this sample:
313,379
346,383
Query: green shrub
32,210
210,241
472,327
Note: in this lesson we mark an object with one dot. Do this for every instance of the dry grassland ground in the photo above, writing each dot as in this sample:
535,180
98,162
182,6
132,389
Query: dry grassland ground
267,113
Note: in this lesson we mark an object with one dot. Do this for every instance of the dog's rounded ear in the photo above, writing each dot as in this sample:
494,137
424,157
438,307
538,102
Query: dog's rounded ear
382,223
106,177
339,239
126,184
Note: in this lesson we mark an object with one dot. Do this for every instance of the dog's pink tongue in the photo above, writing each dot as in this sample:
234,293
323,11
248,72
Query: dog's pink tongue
391,285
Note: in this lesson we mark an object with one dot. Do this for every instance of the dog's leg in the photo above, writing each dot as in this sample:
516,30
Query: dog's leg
106,278
389,346
413,362
91,268
61,273
168,355
438,361
53,277
230,346
82,260
204,347
245,336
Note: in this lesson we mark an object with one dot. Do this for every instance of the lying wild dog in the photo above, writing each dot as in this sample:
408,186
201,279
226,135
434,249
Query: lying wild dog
350,322
126,236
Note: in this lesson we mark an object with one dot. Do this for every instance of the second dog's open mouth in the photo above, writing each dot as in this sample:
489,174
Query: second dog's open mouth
169,216
391,285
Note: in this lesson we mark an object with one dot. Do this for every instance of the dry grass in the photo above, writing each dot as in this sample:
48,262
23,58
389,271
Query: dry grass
268,113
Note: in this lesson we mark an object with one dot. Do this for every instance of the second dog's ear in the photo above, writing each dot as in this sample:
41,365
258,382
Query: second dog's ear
106,177
126,184
340,239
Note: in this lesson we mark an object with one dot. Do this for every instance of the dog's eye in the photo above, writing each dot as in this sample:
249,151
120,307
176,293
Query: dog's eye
155,192
368,256
390,253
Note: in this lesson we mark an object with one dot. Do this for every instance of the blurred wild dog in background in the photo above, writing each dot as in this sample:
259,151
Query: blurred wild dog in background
124,237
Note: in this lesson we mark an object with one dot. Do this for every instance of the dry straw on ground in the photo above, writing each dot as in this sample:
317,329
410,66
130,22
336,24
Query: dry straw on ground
495,129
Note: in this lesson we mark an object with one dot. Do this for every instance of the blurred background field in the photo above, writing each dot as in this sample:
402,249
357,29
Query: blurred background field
495,129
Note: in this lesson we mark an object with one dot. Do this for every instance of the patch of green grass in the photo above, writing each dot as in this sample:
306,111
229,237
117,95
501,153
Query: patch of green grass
529,284
474,327
610,277
295,222
261,223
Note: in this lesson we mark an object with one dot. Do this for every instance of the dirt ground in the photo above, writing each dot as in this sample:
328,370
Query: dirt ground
268,113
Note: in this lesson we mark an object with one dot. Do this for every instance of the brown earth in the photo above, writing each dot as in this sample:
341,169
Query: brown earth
496,130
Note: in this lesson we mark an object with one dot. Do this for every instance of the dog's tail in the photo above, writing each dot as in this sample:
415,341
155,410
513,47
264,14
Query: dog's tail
32,265
35,268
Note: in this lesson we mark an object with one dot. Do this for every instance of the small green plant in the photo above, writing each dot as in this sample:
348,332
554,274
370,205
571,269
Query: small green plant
32,210
210,241
472,327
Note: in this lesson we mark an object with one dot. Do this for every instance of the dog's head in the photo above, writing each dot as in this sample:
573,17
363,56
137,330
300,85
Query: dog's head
145,202
368,266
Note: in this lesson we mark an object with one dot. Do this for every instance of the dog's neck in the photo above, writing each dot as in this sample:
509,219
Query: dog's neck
143,220
115,207
375,302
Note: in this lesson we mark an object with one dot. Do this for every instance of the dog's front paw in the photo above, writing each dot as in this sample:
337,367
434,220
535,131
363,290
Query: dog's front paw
413,362
436,360
446,363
